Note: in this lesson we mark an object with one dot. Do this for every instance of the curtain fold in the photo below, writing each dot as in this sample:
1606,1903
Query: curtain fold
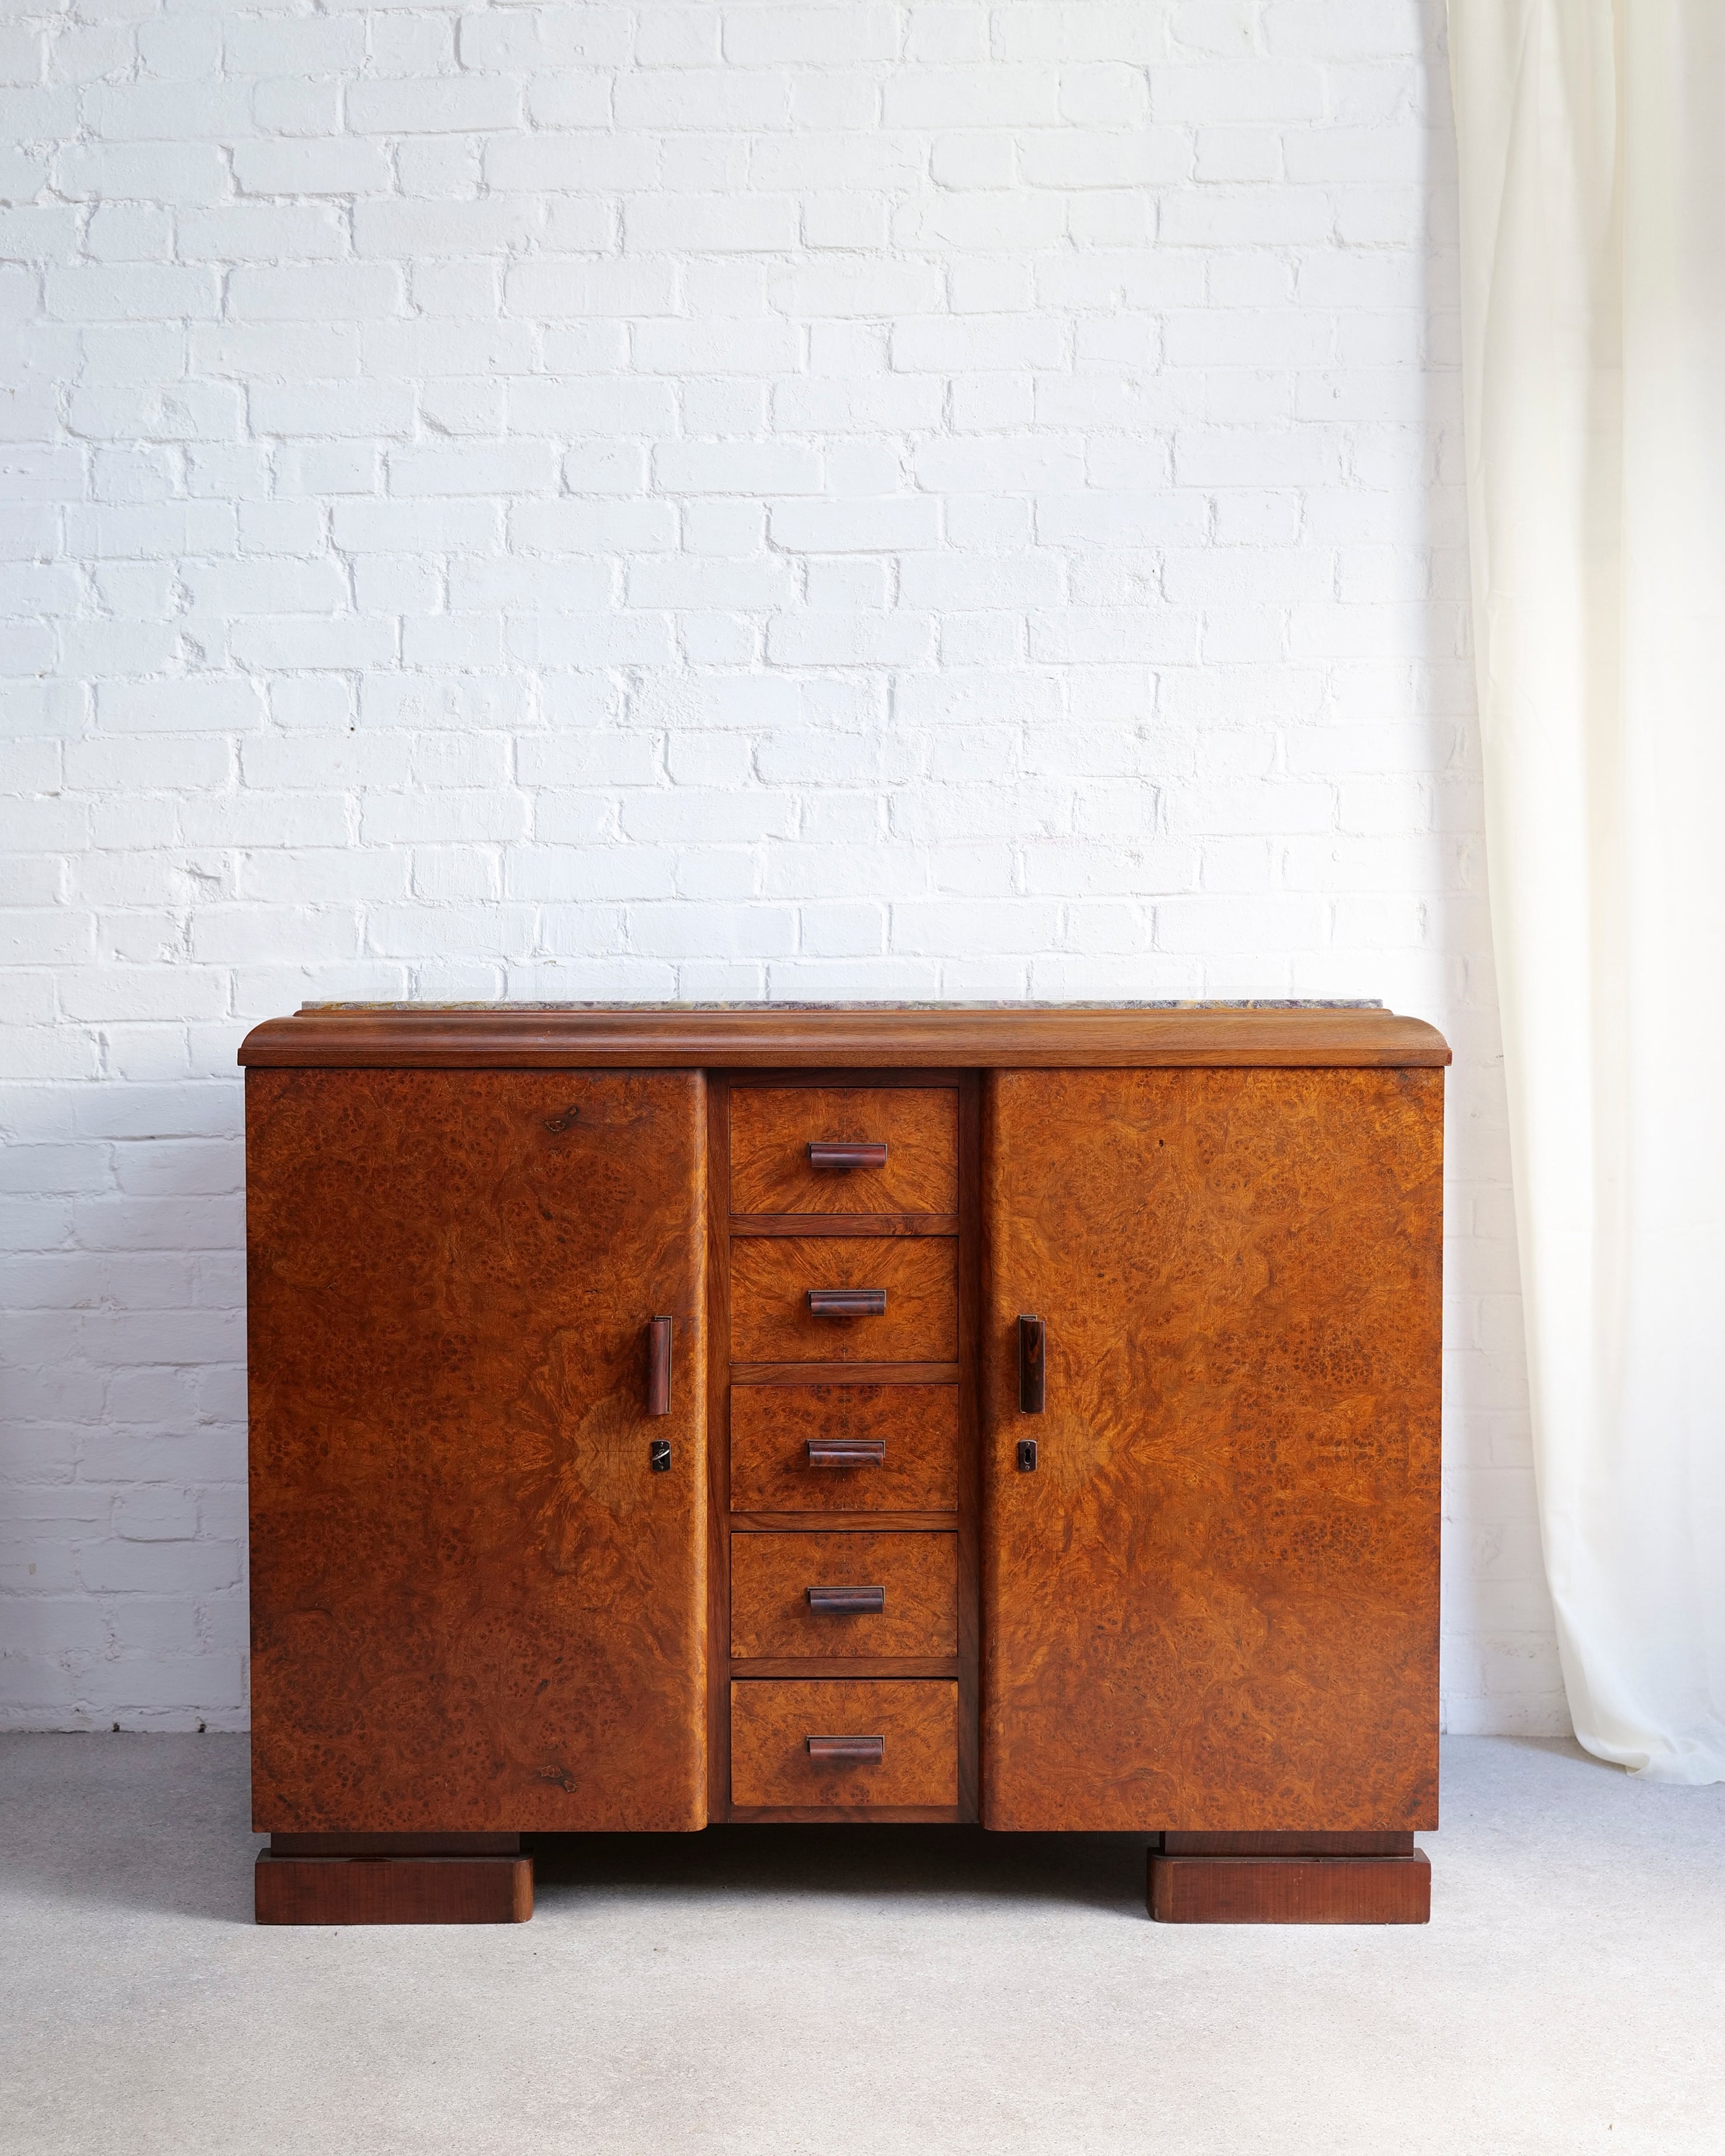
1591,141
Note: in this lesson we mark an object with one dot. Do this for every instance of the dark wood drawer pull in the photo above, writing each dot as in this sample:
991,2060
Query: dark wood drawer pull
1033,1365
847,1451
659,1366
846,1152
847,1601
847,1302
870,1751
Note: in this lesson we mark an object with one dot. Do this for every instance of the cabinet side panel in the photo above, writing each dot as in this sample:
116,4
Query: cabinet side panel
475,1605
1214,1604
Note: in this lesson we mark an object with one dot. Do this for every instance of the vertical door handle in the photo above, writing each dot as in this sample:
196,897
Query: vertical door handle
1033,1365
659,1366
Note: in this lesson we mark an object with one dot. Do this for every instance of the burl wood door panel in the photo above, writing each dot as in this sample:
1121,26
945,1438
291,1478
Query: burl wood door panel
772,1128
789,1445
916,1719
772,1613
474,1604
771,1276
1215,1602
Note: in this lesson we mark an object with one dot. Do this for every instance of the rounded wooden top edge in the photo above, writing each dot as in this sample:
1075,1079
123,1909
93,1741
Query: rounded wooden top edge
950,1036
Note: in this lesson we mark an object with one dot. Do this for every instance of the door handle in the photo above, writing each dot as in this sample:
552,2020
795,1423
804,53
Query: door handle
847,1302
659,1366
846,1152
1033,1365
870,1750
847,1451
847,1601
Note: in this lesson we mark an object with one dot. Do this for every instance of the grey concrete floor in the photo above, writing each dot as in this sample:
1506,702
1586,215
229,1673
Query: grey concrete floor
774,1991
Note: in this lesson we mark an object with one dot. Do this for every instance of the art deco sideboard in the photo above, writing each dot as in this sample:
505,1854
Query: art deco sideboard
1022,1415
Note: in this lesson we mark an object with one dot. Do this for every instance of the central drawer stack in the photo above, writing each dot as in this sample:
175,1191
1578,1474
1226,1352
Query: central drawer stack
850,1575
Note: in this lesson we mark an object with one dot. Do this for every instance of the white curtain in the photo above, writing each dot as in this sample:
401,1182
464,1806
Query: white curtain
1591,136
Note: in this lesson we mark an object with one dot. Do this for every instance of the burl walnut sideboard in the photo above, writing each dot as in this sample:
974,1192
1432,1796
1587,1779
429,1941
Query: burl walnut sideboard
1018,1415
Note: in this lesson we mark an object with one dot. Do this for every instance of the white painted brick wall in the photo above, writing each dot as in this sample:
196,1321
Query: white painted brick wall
835,499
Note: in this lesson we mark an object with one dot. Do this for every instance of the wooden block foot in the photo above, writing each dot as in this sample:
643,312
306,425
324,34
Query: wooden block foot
1289,1890
393,1890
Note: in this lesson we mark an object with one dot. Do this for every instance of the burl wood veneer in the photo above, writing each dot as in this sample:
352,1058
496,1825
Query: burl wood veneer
1214,1604
771,1320
474,1604
845,1448
771,1130
570,1509
771,1609
850,1281
773,1765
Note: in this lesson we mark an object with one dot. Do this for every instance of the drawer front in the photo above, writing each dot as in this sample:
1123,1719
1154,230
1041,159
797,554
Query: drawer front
913,1577
772,1131
916,1719
787,1443
772,1275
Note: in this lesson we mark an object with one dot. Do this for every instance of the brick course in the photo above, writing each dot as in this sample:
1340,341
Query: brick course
688,500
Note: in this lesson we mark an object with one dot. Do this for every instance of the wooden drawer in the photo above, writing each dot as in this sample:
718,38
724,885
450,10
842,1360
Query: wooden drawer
775,1429
917,1576
771,1276
916,1719
772,1131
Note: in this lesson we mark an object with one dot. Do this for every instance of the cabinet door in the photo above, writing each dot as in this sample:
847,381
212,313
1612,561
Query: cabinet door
476,1605
1214,1603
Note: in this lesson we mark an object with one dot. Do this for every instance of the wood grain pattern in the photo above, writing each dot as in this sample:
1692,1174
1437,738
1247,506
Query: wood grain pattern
771,1720
718,1399
970,1103
770,1321
771,1426
395,1844
1287,1845
392,1890
957,1036
1289,1890
860,1372
844,1224
859,1666
771,1130
1215,1605
473,1606
847,1815
771,1573
884,1523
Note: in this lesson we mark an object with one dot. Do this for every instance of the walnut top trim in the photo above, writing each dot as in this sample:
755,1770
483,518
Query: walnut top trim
840,1036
